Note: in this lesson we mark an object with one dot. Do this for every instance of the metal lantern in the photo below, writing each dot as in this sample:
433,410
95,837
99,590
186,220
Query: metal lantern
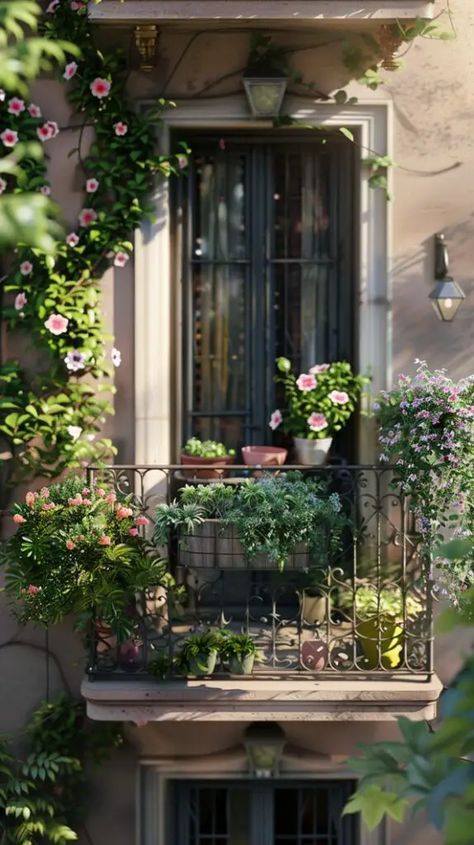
447,296
264,743
265,94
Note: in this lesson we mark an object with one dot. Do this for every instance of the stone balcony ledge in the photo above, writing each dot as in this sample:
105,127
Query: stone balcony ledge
347,700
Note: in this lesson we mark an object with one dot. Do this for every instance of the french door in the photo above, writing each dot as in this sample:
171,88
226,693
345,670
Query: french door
267,270
262,814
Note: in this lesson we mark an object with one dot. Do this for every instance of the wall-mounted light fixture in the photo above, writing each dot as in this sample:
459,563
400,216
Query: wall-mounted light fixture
264,743
265,94
146,40
447,296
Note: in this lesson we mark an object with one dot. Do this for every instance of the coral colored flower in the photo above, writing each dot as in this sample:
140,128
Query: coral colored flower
3,185
111,498
77,5
70,70
104,540
30,498
16,106
56,324
120,128
52,7
49,506
70,544
276,419
123,513
100,87
32,590
142,520
44,492
45,132
100,492
317,422
319,368
91,186
306,381
72,239
75,360
18,519
26,268
121,259
87,502
339,397
75,501
34,110
74,431
20,301
116,356
133,532
9,137
45,190
87,216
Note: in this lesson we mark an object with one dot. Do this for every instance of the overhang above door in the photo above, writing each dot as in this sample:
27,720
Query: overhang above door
297,12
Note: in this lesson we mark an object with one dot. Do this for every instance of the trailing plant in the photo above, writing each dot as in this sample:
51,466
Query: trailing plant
320,402
42,795
426,432
80,550
206,449
56,299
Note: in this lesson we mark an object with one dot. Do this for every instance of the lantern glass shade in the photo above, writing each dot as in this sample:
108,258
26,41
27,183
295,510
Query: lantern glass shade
265,95
447,297
264,743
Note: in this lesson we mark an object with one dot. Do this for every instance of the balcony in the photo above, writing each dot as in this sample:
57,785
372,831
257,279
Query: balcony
297,12
342,632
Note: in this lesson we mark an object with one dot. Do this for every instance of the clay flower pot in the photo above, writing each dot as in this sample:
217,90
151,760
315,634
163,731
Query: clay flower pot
209,466
265,456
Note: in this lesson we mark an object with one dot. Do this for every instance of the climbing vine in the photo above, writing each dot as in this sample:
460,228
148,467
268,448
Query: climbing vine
52,419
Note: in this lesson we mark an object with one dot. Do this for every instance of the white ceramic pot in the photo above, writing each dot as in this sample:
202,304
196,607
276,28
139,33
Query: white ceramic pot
312,452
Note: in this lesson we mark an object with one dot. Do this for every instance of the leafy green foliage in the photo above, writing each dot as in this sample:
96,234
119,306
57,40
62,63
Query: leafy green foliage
238,645
206,449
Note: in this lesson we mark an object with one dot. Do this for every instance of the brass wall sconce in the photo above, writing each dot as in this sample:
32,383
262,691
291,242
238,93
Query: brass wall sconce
146,41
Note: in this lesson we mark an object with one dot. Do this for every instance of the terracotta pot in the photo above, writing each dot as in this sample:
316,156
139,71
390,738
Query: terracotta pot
312,452
381,639
209,466
264,456
241,667
314,655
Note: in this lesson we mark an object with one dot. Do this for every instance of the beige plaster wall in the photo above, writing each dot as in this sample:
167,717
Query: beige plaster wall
433,190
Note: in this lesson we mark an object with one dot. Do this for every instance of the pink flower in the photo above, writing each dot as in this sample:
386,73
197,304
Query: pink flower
116,356
72,239
45,132
123,513
16,106
9,137
44,492
87,502
120,259
45,190
120,128
100,87
104,540
133,532
52,7
339,397
49,506
111,498
34,110
91,186
54,128
20,301
70,70
86,491
32,590
182,162
26,268
3,185
100,492
77,5
18,519
319,368
142,520
276,419
30,498
75,501
70,544
87,216
56,324
317,422
306,381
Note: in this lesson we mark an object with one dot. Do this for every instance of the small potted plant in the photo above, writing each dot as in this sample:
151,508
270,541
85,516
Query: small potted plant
199,652
239,651
379,624
264,456
319,403
206,453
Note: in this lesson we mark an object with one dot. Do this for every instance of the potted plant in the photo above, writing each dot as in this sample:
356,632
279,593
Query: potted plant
81,550
240,651
199,652
264,456
206,453
379,624
319,403
267,523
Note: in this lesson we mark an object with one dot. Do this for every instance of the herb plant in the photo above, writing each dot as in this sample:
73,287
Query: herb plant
207,449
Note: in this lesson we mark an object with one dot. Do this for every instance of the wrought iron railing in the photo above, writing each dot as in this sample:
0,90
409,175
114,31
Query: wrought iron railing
307,621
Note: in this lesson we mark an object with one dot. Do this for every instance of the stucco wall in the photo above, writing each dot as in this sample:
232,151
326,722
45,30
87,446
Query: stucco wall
433,144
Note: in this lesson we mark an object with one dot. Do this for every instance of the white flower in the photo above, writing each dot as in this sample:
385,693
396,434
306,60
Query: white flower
116,356
275,420
74,431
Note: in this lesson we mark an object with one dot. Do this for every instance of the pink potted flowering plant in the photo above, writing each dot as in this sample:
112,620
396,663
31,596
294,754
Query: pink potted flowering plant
318,404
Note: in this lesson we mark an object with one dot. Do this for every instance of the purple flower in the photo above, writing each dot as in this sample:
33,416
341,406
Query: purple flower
75,360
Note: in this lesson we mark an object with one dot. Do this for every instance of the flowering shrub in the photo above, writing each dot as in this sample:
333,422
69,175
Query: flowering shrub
318,403
426,432
52,421
80,550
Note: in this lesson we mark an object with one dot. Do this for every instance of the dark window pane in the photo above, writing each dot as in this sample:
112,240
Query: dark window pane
286,811
219,207
308,820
